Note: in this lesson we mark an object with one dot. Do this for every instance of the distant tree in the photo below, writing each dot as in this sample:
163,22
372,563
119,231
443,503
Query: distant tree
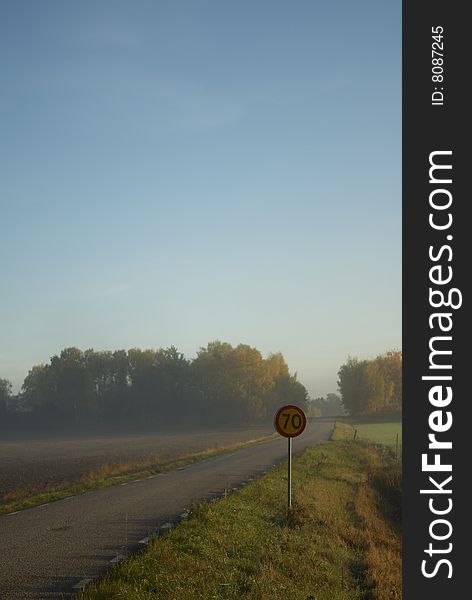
374,386
371,385
276,366
361,386
390,365
5,389
63,388
328,407
252,381
171,383
119,391
142,380
333,399
222,384
319,401
350,386
239,384
5,397
333,406
75,396
233,381
288,390
39,389
313,410
99,382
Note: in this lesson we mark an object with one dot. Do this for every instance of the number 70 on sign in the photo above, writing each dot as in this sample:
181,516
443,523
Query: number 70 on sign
290,421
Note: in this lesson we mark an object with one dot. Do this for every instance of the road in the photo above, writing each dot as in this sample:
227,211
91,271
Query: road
30,459
48,550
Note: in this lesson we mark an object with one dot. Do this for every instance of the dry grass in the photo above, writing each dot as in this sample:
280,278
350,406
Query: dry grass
378,506
383,548
338,544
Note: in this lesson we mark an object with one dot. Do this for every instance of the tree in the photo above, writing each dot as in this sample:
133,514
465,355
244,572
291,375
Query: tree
233,381
288,390
361,386
350,386
371,385
330,406
222,384
142,396
39,390
99,380
313,410
5,397
75,395
237,383
390,365
374,386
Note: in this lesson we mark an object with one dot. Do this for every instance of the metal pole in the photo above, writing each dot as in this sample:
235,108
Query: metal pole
289,475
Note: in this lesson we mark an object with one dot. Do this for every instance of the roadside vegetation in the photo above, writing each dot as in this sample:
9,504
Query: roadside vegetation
341,542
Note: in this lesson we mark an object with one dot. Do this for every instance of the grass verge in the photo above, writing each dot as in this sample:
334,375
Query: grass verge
341,542
114,474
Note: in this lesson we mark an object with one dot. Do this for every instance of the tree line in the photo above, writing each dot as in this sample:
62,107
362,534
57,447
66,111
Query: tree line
373,386
222,384
331,406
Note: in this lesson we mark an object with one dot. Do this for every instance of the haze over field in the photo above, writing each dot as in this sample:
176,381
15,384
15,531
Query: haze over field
179,172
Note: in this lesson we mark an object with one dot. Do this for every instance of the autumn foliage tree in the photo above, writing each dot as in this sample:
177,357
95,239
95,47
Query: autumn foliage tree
238,381
223,384
372,386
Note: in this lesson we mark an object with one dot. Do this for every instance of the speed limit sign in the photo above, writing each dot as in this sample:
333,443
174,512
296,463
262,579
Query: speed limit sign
290,421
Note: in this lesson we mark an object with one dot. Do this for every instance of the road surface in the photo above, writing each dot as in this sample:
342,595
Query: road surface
49,550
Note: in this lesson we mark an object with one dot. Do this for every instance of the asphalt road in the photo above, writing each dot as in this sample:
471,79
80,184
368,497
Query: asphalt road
47,550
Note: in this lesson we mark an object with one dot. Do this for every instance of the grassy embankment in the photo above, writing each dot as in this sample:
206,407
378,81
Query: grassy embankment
342,542
113,474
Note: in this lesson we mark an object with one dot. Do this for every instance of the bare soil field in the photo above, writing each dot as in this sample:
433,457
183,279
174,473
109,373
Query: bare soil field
32,463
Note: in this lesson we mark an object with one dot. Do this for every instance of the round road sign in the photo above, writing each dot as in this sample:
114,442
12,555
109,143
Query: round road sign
290,421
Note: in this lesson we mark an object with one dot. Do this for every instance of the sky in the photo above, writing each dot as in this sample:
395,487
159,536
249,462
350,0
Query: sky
178,171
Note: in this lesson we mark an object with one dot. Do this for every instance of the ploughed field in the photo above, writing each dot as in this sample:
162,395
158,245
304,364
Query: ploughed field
30,464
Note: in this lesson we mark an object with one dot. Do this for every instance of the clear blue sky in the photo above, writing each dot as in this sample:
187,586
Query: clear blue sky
174,172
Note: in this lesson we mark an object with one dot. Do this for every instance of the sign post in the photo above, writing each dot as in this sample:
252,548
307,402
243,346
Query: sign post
290,421
289,475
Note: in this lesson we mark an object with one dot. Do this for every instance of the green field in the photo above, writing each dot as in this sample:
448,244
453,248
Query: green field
381,433
341,542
